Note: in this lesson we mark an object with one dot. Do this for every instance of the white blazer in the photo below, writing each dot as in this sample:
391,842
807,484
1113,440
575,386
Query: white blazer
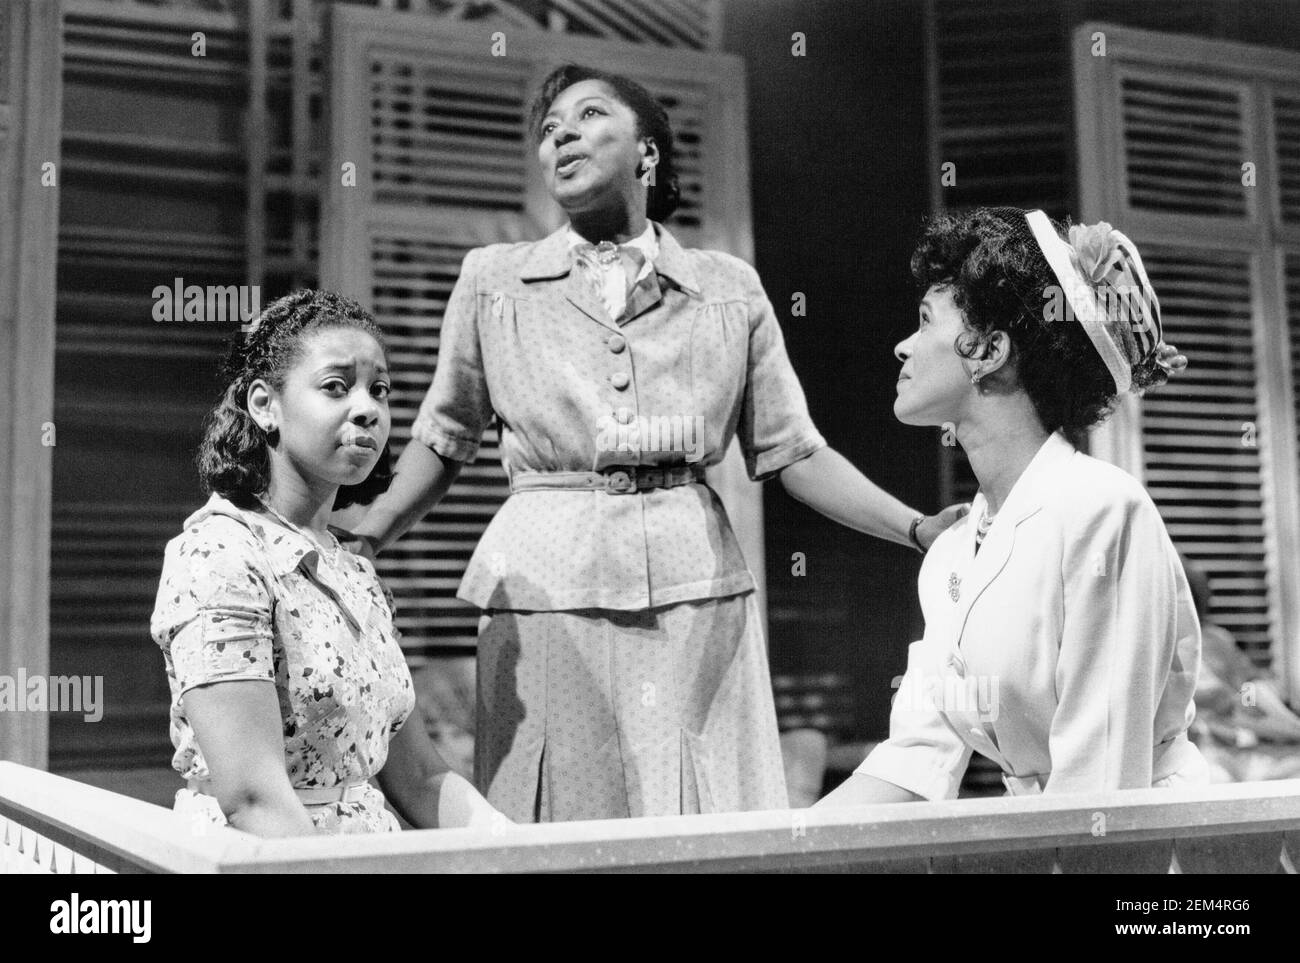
1065,650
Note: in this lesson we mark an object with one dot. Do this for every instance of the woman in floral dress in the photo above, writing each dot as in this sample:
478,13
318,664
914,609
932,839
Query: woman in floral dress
289,689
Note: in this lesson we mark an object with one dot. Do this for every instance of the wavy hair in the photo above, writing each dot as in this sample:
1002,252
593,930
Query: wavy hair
233,457
998,277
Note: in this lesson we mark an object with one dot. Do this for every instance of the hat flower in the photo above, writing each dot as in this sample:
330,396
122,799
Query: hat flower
1093,247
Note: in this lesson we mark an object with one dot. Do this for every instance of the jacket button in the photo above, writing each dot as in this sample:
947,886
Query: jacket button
620,380
616,343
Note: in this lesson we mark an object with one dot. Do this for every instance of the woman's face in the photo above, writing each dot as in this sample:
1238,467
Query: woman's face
933,385
332,413
589,149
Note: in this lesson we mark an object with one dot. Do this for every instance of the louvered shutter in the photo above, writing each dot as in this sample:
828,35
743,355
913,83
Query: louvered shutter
1190,147
435,126
1286,133
145,197
1184,142
1200,434
995,107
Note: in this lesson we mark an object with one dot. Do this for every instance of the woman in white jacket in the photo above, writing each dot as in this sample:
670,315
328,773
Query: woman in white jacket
1060,636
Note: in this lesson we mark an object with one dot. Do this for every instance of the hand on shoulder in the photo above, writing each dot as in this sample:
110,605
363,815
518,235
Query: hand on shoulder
929,530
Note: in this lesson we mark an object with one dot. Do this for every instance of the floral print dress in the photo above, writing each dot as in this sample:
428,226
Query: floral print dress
244,598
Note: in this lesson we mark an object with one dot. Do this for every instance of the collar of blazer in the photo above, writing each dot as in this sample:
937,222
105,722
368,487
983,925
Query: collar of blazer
550,258
976,571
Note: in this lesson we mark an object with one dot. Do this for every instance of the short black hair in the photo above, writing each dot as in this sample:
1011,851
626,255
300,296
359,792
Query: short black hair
1000,279
233,459
651,120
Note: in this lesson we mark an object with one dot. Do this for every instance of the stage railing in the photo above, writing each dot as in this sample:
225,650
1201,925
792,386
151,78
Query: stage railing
52,824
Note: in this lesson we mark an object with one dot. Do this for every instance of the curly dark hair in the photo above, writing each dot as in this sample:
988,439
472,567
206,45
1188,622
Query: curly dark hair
1000,280
233,459
651,121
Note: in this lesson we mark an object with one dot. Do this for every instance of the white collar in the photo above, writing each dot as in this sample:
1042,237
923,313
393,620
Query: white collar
646,242
285,547
1027,492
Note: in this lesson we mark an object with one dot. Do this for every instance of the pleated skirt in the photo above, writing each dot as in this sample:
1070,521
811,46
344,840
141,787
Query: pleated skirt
601,714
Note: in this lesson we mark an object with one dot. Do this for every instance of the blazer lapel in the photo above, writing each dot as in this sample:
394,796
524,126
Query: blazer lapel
987,564
580,294
670,265
646,295
1024,500
551,260
673,263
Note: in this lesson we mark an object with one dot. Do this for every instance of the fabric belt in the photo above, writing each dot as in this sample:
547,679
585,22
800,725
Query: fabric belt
309,796
613,481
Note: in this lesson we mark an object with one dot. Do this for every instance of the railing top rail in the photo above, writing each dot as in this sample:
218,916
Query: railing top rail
159,840
115,829
805,838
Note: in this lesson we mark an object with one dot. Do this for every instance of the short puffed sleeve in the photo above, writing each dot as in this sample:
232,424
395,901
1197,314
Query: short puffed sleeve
775,429
457,408
213,614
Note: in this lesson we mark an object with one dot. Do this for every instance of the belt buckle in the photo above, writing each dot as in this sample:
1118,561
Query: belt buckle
620,482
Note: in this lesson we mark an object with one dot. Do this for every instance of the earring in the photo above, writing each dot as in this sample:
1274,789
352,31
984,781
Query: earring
975,377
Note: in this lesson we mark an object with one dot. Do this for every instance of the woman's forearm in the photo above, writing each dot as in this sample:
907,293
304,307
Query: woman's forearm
861,789
827,482
421,477
270,815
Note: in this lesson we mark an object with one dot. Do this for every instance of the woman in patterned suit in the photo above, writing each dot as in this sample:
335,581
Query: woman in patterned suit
621,665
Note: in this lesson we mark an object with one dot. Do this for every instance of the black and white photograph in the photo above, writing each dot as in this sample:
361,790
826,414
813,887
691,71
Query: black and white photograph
650,437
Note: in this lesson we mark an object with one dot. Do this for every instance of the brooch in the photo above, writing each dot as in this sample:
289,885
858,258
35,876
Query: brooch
954,587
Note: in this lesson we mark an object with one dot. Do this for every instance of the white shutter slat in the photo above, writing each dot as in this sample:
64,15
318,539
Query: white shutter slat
1182,143
1202,469
1291,273
471,108
1286,130
412,279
